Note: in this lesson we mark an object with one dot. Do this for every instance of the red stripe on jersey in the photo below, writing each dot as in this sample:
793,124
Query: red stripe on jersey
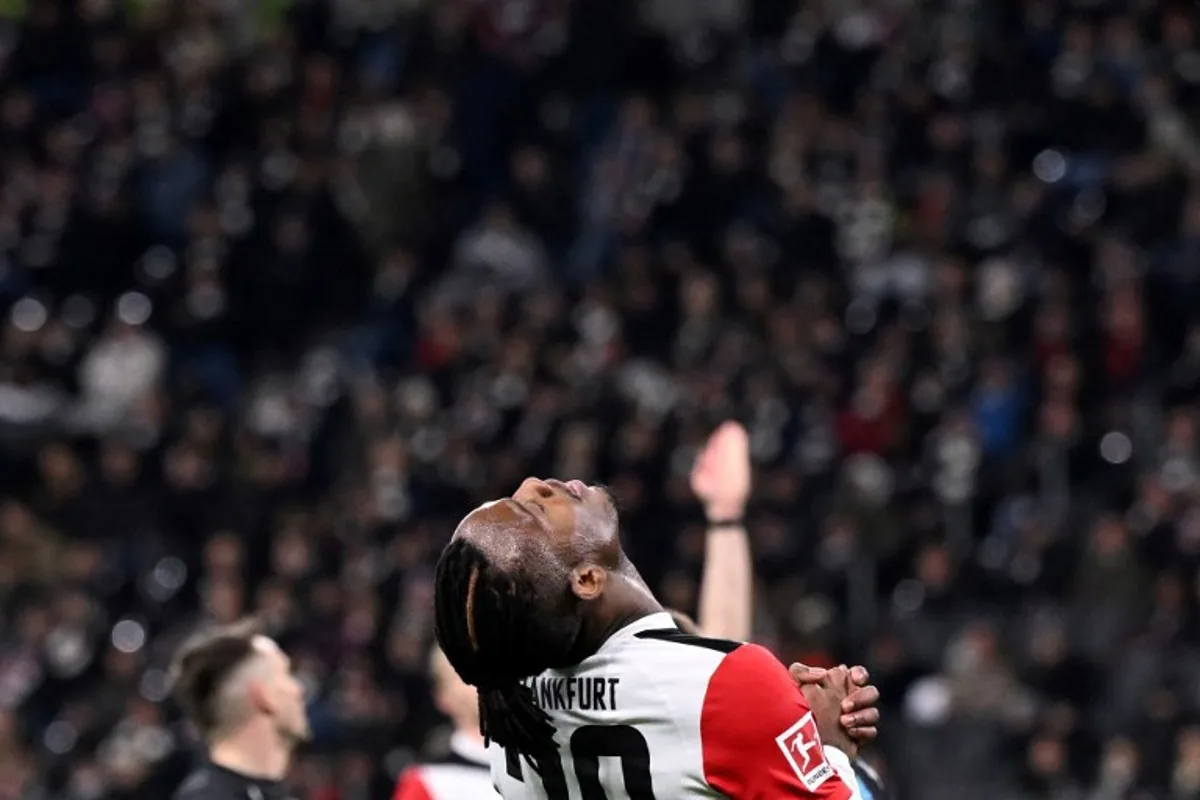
410,787
758,737
446,781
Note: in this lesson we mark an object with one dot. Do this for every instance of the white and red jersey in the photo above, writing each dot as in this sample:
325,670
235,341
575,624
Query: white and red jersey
462,774
657,714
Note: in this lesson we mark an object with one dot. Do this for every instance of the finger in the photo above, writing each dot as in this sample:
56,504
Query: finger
859,675
863,735
804,674
868,718
839,676
865,697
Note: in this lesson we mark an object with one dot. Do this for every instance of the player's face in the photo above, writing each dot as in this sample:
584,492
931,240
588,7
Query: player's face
284,693
577,521
576,517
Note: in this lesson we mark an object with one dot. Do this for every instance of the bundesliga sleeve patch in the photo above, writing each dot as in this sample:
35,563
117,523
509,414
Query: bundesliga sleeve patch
801,746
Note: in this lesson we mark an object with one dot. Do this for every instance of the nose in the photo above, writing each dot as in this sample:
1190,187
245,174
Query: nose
534,488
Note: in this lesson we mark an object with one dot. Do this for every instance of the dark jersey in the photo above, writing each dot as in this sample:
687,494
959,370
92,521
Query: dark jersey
211,782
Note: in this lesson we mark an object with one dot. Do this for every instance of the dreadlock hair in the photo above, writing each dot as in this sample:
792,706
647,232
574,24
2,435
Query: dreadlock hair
497,628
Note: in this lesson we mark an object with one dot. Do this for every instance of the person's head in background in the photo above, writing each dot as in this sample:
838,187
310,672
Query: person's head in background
236,686
457,700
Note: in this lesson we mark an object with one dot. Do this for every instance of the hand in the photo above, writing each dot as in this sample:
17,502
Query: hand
826,699
860,711
721,476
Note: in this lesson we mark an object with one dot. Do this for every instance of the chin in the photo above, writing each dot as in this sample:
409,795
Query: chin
298,735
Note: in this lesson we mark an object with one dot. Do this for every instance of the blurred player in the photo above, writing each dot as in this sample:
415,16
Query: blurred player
721,482
464,772
585,678
237,687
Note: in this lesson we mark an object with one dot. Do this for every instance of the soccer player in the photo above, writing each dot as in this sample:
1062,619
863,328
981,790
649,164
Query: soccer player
237,687
464,772
585,681
720,480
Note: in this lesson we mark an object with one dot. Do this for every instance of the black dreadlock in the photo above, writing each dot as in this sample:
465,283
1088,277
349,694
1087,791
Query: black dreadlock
498,628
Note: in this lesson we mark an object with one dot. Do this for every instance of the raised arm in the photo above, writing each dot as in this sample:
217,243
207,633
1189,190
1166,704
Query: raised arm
721,482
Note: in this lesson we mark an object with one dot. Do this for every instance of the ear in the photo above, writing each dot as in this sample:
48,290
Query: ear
587,581
260,701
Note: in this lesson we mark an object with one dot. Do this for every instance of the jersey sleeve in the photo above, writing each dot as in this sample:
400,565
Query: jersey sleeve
411,787
759,738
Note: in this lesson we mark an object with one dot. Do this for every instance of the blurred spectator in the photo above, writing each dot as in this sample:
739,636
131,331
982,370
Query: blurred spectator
287,286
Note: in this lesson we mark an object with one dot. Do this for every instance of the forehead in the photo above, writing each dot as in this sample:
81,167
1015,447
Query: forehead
504,531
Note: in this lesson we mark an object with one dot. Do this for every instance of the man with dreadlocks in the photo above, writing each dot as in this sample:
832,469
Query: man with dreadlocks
585,681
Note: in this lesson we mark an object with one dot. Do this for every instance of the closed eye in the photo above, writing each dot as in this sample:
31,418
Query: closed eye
522,510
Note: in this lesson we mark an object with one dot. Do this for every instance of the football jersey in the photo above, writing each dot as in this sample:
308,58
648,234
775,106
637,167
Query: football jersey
461,775
657,714
213,782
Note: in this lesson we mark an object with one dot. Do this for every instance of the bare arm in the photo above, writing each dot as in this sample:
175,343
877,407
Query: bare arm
721,481
726,587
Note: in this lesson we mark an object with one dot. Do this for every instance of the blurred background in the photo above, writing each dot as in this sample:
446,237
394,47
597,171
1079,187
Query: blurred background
287,286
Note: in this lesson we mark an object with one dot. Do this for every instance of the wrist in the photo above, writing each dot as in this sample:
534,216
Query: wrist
843,744
725,514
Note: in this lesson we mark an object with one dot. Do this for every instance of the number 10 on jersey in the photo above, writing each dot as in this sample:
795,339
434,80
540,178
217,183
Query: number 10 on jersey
588,745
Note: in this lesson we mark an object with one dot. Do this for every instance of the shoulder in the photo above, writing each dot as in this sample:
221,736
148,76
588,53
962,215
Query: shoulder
199,785
750,674
674,637
682,653
673,666
444,780
411,785
759,737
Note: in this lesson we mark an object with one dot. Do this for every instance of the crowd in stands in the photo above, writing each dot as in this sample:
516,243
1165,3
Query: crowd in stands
290,286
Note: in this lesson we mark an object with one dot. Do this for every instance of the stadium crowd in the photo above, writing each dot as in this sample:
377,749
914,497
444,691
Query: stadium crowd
289,286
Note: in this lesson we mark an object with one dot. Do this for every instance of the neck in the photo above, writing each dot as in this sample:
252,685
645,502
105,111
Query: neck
625,600
254,753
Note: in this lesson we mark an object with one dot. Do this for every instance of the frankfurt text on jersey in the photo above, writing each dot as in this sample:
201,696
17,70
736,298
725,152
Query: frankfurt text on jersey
576,694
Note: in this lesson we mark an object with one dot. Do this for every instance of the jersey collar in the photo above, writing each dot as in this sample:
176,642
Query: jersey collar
651,622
